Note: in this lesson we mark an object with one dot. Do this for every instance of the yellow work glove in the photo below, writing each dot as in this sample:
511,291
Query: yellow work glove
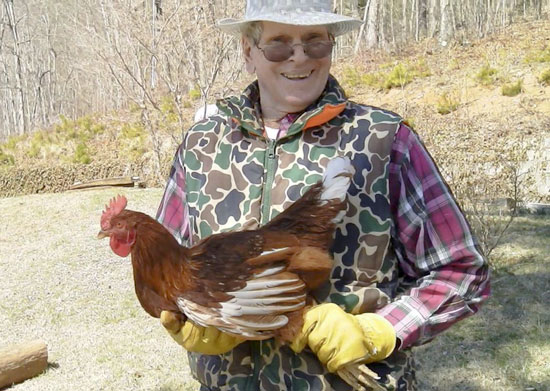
339,338
195,338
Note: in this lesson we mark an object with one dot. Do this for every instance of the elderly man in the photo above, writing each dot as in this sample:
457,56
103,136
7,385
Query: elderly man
406,266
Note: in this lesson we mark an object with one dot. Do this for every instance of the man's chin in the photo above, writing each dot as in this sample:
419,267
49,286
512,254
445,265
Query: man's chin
297,104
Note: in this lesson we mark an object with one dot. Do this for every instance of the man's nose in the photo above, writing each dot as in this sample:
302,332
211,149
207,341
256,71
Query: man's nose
298,53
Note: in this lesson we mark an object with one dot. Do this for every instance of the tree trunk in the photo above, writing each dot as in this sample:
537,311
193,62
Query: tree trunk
446,31
404,20
392,28
422,19
12,24
372,25
362,29
433,17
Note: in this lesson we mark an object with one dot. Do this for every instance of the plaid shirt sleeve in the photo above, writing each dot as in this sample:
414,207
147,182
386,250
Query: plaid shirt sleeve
439,258
172,212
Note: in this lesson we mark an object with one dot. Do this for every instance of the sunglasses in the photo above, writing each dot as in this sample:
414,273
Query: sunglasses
280,51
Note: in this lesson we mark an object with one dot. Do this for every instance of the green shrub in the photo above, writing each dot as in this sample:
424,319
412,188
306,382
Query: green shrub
375,80
81,130
402,74
195,93
68,141
538,56
486,75
512,89
90,128
81,154
351,77
133,140
66,128
447,103
544,77
168,109
132,131
389,76
544,55
37,142
6,159
420,68
13,141
399,76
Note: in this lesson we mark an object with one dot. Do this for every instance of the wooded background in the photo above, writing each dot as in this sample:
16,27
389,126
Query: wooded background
76,57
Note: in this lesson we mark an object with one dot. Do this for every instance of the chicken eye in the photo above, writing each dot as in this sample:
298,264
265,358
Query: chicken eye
119,225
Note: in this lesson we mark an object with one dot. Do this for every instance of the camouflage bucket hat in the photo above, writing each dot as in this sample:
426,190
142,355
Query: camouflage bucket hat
294,12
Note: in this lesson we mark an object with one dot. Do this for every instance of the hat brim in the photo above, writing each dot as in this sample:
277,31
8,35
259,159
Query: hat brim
338,24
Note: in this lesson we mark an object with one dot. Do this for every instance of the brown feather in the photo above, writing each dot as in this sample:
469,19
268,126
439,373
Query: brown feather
312,265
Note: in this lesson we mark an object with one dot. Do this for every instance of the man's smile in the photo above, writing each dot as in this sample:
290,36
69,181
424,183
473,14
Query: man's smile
297,76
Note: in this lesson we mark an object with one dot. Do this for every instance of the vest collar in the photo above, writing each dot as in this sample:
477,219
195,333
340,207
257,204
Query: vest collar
244,110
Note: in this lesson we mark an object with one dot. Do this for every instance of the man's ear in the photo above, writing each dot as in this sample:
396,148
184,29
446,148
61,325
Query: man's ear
247,53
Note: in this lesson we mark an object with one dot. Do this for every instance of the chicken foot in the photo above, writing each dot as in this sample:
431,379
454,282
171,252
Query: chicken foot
360,377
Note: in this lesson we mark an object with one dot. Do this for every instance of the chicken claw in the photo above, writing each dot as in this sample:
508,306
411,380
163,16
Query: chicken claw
360,377
171,321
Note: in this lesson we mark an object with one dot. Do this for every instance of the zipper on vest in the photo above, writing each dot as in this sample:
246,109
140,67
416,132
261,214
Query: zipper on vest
270,166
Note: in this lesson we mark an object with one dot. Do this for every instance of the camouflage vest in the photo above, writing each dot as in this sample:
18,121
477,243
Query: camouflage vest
238,179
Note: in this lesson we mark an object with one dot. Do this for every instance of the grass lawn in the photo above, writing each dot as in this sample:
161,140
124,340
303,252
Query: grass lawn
63,286
506,346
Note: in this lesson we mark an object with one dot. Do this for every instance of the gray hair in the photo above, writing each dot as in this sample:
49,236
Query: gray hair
253,31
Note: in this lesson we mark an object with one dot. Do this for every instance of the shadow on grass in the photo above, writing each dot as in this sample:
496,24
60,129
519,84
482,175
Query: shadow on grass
532,225
505,346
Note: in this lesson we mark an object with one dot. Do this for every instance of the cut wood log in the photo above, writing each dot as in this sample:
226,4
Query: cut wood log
21,362
118,181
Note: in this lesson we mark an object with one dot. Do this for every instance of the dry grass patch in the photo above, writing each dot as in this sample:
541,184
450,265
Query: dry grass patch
62,285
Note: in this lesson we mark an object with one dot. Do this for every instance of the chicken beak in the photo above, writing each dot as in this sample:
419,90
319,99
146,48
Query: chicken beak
102,234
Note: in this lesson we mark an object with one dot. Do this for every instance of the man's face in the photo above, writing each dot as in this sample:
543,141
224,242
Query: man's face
288,86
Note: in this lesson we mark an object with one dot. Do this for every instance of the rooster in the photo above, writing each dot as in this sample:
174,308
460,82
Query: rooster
251,283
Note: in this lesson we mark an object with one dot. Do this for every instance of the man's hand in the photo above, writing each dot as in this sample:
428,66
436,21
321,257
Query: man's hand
195,338
343,341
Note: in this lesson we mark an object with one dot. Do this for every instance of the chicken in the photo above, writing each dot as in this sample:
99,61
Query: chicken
251,283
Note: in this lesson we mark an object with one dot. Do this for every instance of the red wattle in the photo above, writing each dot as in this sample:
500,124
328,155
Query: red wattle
120,248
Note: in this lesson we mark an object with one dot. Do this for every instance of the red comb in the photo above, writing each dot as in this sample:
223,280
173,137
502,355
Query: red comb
116,205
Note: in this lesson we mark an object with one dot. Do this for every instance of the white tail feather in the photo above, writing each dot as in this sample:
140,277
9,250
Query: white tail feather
337,178
275,322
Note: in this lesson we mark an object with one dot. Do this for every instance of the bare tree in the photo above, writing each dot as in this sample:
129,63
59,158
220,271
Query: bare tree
75,57
421,19
22,120
174,63
433,13
362,28
446,31
373,24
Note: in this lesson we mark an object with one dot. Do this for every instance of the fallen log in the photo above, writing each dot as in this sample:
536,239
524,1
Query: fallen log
132,181
21,362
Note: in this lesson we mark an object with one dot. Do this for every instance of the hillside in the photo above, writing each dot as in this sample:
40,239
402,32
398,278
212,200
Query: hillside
519,53
419,82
